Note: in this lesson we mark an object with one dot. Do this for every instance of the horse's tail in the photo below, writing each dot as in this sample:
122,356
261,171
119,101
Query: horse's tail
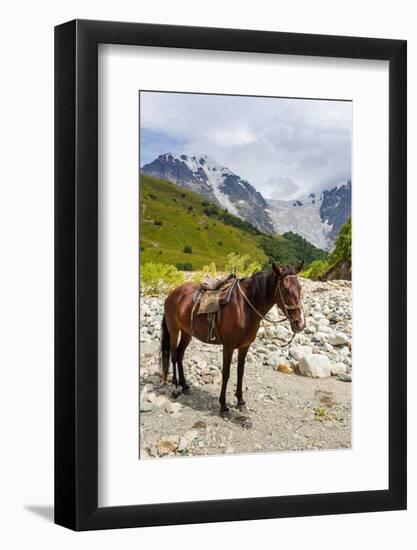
165,350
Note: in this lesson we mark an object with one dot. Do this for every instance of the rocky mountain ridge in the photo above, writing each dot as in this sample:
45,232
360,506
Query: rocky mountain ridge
317,217
205,176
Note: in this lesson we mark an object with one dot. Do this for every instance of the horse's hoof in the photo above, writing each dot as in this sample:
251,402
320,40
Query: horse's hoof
186,391
241,407
175,393
224,410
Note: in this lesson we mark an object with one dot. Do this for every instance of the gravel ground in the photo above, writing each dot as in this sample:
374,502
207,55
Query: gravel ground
286,411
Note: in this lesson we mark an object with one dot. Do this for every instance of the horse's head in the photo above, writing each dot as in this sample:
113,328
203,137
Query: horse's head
288,294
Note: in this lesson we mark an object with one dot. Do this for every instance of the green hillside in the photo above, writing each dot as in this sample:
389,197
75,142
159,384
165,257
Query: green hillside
180,227
172,218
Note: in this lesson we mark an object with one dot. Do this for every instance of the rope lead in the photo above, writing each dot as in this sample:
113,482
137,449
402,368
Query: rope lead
263,319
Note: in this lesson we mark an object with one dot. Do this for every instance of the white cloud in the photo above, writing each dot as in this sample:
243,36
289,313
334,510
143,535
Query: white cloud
280,145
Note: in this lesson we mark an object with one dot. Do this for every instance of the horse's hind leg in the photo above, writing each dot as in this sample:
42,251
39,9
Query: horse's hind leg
240,369
173,343
185,340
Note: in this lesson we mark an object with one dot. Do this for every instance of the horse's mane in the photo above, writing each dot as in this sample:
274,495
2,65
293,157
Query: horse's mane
263,284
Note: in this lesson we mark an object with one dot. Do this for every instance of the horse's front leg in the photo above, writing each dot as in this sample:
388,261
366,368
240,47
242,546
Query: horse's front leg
240,370
227,359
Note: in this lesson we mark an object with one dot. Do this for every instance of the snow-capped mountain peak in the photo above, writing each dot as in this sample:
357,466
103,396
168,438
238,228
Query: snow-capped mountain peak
204,175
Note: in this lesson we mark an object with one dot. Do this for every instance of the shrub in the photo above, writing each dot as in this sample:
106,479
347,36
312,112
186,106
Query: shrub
211,210
243,265
157,277
220,243
184,267
210,269
157,222
315,269
188,249
343,244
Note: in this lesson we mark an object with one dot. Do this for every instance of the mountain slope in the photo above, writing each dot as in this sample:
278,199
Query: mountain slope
336,207
317,218
205,176
171,218
302,217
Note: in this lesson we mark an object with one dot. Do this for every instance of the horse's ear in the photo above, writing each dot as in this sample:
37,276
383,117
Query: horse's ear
278,270
299,267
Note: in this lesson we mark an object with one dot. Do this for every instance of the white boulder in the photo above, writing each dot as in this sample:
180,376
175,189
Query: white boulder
299,351
315,365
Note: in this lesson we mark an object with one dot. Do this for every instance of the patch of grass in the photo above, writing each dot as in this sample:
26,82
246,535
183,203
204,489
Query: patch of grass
323,413
320,413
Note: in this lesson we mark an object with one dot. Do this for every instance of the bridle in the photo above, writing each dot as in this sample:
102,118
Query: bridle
287,307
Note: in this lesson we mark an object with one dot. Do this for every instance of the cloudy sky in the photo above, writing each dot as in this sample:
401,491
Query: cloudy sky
283,147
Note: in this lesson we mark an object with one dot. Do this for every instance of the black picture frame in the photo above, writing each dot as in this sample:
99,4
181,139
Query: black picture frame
76,272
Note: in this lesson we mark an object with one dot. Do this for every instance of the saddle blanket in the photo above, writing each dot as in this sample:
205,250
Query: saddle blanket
210,300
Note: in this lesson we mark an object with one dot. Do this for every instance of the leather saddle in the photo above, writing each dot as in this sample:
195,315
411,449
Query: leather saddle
210,283
212,294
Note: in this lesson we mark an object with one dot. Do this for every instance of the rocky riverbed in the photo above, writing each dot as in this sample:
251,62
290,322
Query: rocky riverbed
298,398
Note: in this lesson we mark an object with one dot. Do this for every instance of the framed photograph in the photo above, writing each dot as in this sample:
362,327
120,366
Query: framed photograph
230,253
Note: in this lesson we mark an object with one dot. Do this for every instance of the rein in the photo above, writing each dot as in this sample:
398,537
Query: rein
288,307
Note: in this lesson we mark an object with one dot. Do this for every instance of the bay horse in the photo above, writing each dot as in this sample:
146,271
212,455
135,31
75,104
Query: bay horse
237,326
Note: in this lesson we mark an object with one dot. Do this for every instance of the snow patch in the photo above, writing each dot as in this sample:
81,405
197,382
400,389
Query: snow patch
304,220
214,173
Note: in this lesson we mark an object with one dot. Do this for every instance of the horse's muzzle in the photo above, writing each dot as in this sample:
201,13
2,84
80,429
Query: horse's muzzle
298,326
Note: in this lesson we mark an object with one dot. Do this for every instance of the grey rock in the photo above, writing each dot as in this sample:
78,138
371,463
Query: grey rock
338,368
344,377
146,406
187,439
172,407
338,339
